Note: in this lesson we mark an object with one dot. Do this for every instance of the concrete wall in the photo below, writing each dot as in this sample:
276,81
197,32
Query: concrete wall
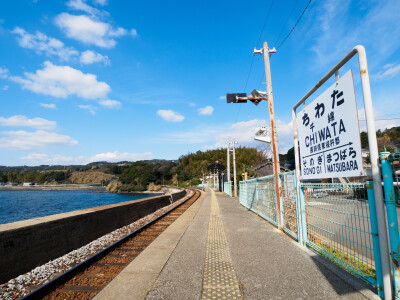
25,245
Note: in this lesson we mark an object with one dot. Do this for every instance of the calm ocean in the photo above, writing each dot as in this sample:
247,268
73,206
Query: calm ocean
23,205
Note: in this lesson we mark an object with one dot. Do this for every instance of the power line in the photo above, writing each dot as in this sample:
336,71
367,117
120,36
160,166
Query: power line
252,58
265,22
259,38
294,25
248,75
287,20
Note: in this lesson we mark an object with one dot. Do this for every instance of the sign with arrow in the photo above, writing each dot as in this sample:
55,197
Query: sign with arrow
329,134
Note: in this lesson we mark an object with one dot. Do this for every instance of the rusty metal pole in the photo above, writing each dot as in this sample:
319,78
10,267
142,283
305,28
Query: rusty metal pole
274,140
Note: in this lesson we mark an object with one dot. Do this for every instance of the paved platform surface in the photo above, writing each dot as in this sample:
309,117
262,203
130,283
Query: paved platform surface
219,250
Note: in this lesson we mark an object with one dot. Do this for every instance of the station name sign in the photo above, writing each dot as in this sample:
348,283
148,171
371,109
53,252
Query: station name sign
329,134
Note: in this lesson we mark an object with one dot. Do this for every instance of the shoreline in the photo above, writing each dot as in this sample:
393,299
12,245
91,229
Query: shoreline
61,187
75,187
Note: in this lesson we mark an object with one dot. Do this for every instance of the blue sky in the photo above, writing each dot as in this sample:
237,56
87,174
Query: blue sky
93,80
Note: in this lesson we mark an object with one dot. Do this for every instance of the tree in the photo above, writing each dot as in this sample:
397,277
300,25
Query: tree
290,154
364,140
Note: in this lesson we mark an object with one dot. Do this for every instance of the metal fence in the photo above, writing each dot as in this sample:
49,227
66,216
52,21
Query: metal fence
267,204
259,196
338,226
335,218
290,220
228,188
209,185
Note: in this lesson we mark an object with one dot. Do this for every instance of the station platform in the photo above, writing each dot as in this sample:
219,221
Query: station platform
219,250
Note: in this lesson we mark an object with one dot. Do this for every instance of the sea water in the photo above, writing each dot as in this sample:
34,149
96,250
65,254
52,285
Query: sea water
23,205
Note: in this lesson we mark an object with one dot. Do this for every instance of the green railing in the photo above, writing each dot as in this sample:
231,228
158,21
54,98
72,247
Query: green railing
335,218
338,226
228,188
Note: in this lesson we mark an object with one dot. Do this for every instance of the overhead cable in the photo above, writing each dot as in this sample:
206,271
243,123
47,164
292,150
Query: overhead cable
308,4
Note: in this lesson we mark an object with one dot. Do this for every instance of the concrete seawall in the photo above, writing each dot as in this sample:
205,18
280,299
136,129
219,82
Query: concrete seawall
31,243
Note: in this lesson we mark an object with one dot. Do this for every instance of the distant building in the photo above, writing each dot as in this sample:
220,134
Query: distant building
266,168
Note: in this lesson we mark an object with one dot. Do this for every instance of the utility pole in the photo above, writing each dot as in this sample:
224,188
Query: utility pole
228,159
234,169
275,154
256,97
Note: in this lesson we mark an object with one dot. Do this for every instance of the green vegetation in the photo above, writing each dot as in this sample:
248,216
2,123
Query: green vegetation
388,139
18,176
193,166
140,174
289,156
349,258
188,171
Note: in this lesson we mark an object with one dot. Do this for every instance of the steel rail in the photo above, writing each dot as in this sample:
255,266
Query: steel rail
52,285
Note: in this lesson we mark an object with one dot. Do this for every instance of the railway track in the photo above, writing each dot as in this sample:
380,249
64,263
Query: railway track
89,277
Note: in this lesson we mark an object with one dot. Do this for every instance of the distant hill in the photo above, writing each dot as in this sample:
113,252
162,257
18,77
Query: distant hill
95,172
92,165
194,165
388,138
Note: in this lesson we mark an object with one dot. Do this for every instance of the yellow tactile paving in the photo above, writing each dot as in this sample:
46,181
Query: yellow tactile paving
219,280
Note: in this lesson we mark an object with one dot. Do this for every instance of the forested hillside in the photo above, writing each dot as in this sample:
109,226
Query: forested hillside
187,170
388,139
140,174
193,166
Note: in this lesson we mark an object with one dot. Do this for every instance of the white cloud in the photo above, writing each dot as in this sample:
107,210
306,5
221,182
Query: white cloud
81,5
51,159
89,31
36,158
89,57
243,132
192,104
48,105
382,120
41,43
121,156
62,81
379,20
285,135
133,32
100,2
170,116
90,108
23,121
222,97
197,135
5,88
390,71
23,140
111,104
3,72
208,110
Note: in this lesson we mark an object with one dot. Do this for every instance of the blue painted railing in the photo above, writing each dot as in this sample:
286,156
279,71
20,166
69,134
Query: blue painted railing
335,220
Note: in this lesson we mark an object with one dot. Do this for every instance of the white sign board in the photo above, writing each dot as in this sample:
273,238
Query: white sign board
329,134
